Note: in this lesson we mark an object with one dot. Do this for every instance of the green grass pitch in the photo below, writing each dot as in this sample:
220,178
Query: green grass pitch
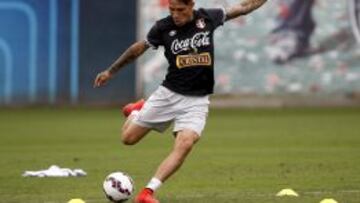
244,156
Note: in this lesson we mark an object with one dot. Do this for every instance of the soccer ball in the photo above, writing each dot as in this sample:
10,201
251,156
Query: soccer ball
118,187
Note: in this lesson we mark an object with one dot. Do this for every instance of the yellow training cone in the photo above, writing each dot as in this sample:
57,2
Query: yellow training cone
287,192
328,201
76,201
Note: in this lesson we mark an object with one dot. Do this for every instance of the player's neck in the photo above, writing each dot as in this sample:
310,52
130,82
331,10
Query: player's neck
191,18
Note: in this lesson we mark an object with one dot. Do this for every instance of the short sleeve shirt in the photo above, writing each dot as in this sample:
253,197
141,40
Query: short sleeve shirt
189,49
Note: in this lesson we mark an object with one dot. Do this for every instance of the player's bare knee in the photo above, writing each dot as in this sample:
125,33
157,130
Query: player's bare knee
128,138
128,141
185,143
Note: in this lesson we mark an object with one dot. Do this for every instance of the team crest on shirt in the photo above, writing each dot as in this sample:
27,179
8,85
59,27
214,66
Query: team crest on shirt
200,23
172,33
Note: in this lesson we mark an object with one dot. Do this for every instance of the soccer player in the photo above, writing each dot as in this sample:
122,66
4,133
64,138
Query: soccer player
183,97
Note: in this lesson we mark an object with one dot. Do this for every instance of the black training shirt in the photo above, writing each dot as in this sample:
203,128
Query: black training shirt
189,50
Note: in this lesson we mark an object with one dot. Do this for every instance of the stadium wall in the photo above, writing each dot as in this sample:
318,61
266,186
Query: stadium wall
51,50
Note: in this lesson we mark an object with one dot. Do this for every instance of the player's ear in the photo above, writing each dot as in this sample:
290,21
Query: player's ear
192,4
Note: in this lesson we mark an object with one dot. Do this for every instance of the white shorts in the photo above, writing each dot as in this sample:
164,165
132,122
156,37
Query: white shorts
165,107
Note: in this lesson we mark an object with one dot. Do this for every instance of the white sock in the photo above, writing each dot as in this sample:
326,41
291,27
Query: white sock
134,113
154,184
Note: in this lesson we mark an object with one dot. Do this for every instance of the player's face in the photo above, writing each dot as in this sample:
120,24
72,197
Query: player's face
180,12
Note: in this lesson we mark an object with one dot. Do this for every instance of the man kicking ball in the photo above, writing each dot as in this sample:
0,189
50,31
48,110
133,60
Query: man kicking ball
183,97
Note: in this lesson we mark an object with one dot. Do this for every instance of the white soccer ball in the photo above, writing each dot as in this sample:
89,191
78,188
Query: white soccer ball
118,187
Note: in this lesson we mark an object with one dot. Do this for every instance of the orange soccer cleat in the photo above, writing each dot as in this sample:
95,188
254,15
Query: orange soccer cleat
133,106
146,196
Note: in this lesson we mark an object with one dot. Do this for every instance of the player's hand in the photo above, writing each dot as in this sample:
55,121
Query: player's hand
102,78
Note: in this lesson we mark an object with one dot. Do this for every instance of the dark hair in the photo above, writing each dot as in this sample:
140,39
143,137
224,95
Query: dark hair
187,2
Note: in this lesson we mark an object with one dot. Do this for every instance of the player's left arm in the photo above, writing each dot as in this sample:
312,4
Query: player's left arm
243,8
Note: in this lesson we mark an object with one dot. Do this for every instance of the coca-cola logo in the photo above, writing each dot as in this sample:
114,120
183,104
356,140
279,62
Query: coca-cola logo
200,39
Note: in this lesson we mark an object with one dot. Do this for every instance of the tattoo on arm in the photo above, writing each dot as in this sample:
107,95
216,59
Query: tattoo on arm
245,7
130,55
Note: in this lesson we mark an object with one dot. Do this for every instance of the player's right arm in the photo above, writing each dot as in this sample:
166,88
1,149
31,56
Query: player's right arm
130,55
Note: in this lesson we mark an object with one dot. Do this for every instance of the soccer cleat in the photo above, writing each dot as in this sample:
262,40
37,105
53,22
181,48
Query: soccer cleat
133,106
146,196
